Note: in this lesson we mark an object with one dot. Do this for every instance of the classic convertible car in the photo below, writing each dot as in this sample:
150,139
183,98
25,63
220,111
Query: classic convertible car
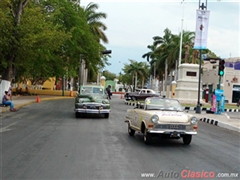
141,94
92,99
161,117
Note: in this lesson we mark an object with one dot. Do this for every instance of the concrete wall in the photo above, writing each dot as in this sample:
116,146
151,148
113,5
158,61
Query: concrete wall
4,86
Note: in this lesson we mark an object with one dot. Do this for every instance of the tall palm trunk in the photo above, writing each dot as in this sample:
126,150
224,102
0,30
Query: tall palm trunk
143,82
166,75
135,81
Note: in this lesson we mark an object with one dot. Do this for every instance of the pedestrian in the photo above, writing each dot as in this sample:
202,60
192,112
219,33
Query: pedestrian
6,101
109,93
10,92
69,85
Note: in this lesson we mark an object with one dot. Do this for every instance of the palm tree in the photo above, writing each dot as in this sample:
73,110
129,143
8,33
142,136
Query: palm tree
145,73
136,68
164,51
151,55
93,18
97,28
187,38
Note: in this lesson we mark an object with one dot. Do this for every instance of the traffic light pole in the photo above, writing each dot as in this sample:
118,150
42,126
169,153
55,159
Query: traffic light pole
219,83
198,107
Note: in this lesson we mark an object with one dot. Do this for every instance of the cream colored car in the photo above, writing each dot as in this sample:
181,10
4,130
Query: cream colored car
161,117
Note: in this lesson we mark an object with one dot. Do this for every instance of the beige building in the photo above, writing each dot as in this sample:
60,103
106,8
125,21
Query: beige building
230,82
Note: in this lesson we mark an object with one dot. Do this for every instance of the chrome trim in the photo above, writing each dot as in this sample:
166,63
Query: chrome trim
94,111
170,131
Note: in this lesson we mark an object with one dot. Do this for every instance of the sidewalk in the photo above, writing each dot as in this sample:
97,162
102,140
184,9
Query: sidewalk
223,120
20,101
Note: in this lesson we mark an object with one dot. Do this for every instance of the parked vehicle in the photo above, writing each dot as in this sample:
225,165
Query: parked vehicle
161,117
141,94
92,99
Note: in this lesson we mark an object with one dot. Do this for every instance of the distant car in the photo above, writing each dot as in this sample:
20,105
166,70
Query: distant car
92,99
161,117
141,94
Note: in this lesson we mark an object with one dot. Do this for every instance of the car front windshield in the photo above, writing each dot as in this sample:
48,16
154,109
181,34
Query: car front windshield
162,104
92,90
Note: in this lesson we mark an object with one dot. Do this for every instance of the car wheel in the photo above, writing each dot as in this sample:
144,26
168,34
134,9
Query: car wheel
106,115
77,115
187,139
146,137
131,132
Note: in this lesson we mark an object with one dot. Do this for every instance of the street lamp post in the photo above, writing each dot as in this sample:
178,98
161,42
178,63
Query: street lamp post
198,108
180,50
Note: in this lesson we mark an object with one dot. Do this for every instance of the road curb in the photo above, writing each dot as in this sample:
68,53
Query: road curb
220,124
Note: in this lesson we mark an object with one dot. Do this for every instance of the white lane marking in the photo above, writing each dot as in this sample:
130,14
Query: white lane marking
227,116
4,129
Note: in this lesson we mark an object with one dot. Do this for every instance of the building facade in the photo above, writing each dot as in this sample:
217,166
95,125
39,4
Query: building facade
229,82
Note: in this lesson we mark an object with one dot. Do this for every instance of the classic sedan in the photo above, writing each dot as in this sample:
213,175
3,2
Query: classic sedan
141,94
161,117
92,99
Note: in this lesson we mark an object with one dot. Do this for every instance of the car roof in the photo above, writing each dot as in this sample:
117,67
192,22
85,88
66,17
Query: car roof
92,85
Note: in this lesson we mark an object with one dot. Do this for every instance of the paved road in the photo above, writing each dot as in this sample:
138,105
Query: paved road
44,141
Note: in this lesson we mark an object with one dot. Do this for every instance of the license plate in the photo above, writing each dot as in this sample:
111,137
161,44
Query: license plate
171,126
174,134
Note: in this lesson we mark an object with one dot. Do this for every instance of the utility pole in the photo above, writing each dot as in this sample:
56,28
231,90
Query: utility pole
198,107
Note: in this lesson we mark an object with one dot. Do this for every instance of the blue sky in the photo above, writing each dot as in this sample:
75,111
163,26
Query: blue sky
132,24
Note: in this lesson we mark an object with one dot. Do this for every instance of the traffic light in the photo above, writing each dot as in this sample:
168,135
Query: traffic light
221,67
107,52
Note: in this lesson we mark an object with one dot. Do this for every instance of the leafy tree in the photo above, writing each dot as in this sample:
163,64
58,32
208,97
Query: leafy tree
108,75
47,42
11,12
40,39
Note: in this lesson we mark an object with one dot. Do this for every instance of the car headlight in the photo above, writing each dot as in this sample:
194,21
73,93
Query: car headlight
105,102
155,118
194,120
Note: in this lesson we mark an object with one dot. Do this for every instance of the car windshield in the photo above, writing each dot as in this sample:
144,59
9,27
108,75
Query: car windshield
163,104
92,90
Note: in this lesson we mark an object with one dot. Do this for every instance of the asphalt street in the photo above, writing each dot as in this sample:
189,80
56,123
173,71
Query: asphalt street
44,141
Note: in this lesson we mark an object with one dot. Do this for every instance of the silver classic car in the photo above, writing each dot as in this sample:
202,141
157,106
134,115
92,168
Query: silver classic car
161,117
92,99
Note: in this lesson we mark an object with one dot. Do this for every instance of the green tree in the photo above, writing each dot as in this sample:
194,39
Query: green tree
135,69
108,75
93,18
164,51
11,12
97,28
151,58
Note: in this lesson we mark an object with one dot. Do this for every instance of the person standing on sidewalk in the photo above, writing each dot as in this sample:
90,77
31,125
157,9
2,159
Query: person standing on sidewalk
6,101
109,93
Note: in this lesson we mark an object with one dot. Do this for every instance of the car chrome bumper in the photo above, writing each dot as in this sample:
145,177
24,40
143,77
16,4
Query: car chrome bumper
169,131
92,111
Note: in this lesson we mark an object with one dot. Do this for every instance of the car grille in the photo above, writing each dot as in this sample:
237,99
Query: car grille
170,126
93,107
